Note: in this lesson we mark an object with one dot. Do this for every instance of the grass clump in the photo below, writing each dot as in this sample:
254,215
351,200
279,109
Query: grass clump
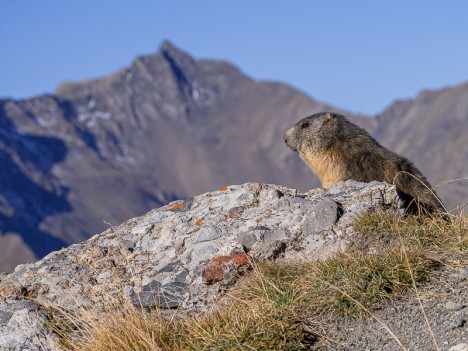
435,234
353,282
238,323
276,306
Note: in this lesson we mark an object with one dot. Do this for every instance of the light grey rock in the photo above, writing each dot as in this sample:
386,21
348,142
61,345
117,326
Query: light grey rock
267,249
321,215
248,239
453,306
461,275
459,347
167,256
208,233
24,330
459,321
154,294
276,234
4,317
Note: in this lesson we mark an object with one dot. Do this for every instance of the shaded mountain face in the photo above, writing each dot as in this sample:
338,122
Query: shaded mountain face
101,151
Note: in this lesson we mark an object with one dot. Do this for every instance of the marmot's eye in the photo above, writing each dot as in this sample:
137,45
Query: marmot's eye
305,124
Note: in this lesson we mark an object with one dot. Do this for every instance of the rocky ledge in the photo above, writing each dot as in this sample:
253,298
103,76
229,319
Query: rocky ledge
185,254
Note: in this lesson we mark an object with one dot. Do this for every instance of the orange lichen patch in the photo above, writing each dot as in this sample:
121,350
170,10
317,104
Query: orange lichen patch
224,188
239,259
221,268
174,206
198,222
213,274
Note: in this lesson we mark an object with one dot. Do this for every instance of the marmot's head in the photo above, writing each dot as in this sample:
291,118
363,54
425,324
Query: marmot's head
313,134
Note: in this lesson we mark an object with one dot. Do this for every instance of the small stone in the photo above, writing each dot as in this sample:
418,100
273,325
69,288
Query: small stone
154,295
224,268
170,267
130,245
459,322
230,248
461,275
12,290
247,239
276,234
459,347
207,233
213,274
320,216
5,317
236,212
264,250
37,289
337,189
453,306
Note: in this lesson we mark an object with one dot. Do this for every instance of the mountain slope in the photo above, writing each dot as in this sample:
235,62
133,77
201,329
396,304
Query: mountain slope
432,130
167,127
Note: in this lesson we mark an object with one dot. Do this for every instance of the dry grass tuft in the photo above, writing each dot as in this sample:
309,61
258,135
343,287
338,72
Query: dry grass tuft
371,279
435,234
236,324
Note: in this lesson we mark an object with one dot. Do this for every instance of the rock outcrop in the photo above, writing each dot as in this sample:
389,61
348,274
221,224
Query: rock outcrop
183,255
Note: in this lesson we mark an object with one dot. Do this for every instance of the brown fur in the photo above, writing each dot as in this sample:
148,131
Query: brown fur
337,150
326,167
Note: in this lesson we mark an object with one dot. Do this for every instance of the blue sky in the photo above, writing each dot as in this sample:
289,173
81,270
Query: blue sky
358,55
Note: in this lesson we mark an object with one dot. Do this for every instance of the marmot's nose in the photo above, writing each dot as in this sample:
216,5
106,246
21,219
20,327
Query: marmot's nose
290,140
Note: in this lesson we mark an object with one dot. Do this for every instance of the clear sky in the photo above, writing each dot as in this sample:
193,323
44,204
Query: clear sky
358,55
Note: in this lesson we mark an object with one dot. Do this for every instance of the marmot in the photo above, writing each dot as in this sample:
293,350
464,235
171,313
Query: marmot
338,150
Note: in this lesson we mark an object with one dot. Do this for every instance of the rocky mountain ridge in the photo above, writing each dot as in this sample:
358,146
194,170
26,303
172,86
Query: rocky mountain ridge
170,126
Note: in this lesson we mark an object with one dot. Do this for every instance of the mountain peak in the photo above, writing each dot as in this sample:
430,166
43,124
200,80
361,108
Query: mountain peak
167,49
174,55
168,46
177,59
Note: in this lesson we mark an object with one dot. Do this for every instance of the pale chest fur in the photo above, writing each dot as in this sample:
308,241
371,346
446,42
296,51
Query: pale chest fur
327,166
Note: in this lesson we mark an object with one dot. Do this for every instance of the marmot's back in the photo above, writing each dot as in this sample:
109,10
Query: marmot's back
338,150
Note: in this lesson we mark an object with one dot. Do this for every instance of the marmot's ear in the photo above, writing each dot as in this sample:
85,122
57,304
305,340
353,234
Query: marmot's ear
328,117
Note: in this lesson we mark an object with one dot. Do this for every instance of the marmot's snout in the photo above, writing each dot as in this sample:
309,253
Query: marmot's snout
290,138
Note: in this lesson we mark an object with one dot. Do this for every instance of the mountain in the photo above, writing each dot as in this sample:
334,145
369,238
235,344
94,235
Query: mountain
432,131
100,151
